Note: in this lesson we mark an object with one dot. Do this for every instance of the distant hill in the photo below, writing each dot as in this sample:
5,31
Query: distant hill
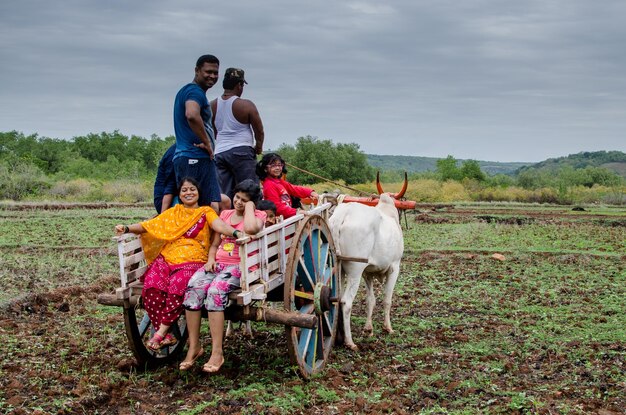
611,160
415,164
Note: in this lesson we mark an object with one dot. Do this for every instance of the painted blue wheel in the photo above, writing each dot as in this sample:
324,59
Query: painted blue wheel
312,287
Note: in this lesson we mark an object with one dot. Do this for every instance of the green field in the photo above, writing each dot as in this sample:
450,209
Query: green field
542,331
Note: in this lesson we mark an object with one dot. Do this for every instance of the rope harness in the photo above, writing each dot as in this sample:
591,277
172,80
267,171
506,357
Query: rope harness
362,193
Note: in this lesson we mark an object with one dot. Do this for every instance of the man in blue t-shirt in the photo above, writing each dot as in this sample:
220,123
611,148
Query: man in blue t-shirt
195,138
165,182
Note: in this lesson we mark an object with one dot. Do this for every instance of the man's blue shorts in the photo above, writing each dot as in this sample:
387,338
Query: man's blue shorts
203,170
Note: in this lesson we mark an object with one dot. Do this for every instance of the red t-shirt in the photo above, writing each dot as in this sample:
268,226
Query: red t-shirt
280,192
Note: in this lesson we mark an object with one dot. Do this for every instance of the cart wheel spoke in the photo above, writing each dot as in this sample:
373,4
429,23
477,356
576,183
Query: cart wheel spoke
327,326
307,309
304,295
307,280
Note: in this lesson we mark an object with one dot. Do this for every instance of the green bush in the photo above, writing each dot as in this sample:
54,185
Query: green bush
77,189
129,191
21,181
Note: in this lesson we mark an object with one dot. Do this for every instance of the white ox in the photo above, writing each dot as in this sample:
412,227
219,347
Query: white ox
371,233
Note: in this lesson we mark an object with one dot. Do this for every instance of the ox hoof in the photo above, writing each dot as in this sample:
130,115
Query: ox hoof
353,347
389,330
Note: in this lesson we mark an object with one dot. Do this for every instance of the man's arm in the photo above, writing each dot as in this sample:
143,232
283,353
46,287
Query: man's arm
246,112
192,113
213,112
167,202
257,128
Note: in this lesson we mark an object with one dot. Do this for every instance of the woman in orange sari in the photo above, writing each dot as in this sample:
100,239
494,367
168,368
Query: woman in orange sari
176,244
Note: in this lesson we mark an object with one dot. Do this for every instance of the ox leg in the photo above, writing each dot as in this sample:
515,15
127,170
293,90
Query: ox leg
349,293
390,283
247,330
370,302
229,329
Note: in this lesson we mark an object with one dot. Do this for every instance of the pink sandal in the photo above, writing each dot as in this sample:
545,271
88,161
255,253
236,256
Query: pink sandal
155,343
169,340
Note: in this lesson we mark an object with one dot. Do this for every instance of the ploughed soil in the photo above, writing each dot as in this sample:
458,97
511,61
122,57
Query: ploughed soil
62,353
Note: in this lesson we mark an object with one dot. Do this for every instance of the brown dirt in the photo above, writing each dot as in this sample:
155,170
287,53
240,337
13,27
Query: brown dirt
55,361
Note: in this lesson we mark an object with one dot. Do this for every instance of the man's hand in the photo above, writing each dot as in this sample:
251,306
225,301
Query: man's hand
207,149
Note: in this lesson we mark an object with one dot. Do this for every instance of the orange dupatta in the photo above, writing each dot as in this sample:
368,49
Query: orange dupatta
171,225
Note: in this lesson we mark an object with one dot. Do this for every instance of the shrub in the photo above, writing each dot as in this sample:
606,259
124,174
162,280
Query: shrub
124,191
424,190
452,191
78,189
21,180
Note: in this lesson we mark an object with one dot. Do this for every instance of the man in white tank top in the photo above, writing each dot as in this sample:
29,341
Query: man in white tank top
239,133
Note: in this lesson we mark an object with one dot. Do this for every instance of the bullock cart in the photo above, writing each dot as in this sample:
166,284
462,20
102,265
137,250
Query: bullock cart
293,262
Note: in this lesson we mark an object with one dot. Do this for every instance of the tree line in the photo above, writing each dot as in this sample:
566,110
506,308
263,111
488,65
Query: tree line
30,164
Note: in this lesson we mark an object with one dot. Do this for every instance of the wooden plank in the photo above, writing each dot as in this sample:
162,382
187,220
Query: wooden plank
134,259
120,256
289,318
111,299
273,250
253,276
253,245
258,291
132,245
253,260
122,293
136,274
135,287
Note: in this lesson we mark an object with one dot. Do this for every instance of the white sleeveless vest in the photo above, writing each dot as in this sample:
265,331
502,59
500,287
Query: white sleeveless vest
230,132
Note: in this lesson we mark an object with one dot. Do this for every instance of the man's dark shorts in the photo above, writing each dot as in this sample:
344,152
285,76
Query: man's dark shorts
234,166
203,170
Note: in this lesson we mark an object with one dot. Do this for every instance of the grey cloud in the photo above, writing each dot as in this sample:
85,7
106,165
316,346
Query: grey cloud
498,80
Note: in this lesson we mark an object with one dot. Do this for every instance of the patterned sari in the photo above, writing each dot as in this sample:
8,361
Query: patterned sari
176,244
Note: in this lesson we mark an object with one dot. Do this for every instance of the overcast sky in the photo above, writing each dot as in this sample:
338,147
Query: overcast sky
504,80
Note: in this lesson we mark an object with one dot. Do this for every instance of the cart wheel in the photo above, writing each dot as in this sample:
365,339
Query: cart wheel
312,287
139,330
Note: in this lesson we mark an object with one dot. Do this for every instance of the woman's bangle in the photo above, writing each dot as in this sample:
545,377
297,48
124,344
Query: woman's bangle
126,229
235,233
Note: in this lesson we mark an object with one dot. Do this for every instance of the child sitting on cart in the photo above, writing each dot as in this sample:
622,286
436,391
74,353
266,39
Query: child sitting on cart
270,170
211,288
269,208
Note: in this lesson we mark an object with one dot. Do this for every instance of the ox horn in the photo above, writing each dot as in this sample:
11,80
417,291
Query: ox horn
398,195
378,186
402,191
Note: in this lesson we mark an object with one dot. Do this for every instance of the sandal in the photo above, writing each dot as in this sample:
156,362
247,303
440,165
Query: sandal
187,364
155,342
211,368
169,340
